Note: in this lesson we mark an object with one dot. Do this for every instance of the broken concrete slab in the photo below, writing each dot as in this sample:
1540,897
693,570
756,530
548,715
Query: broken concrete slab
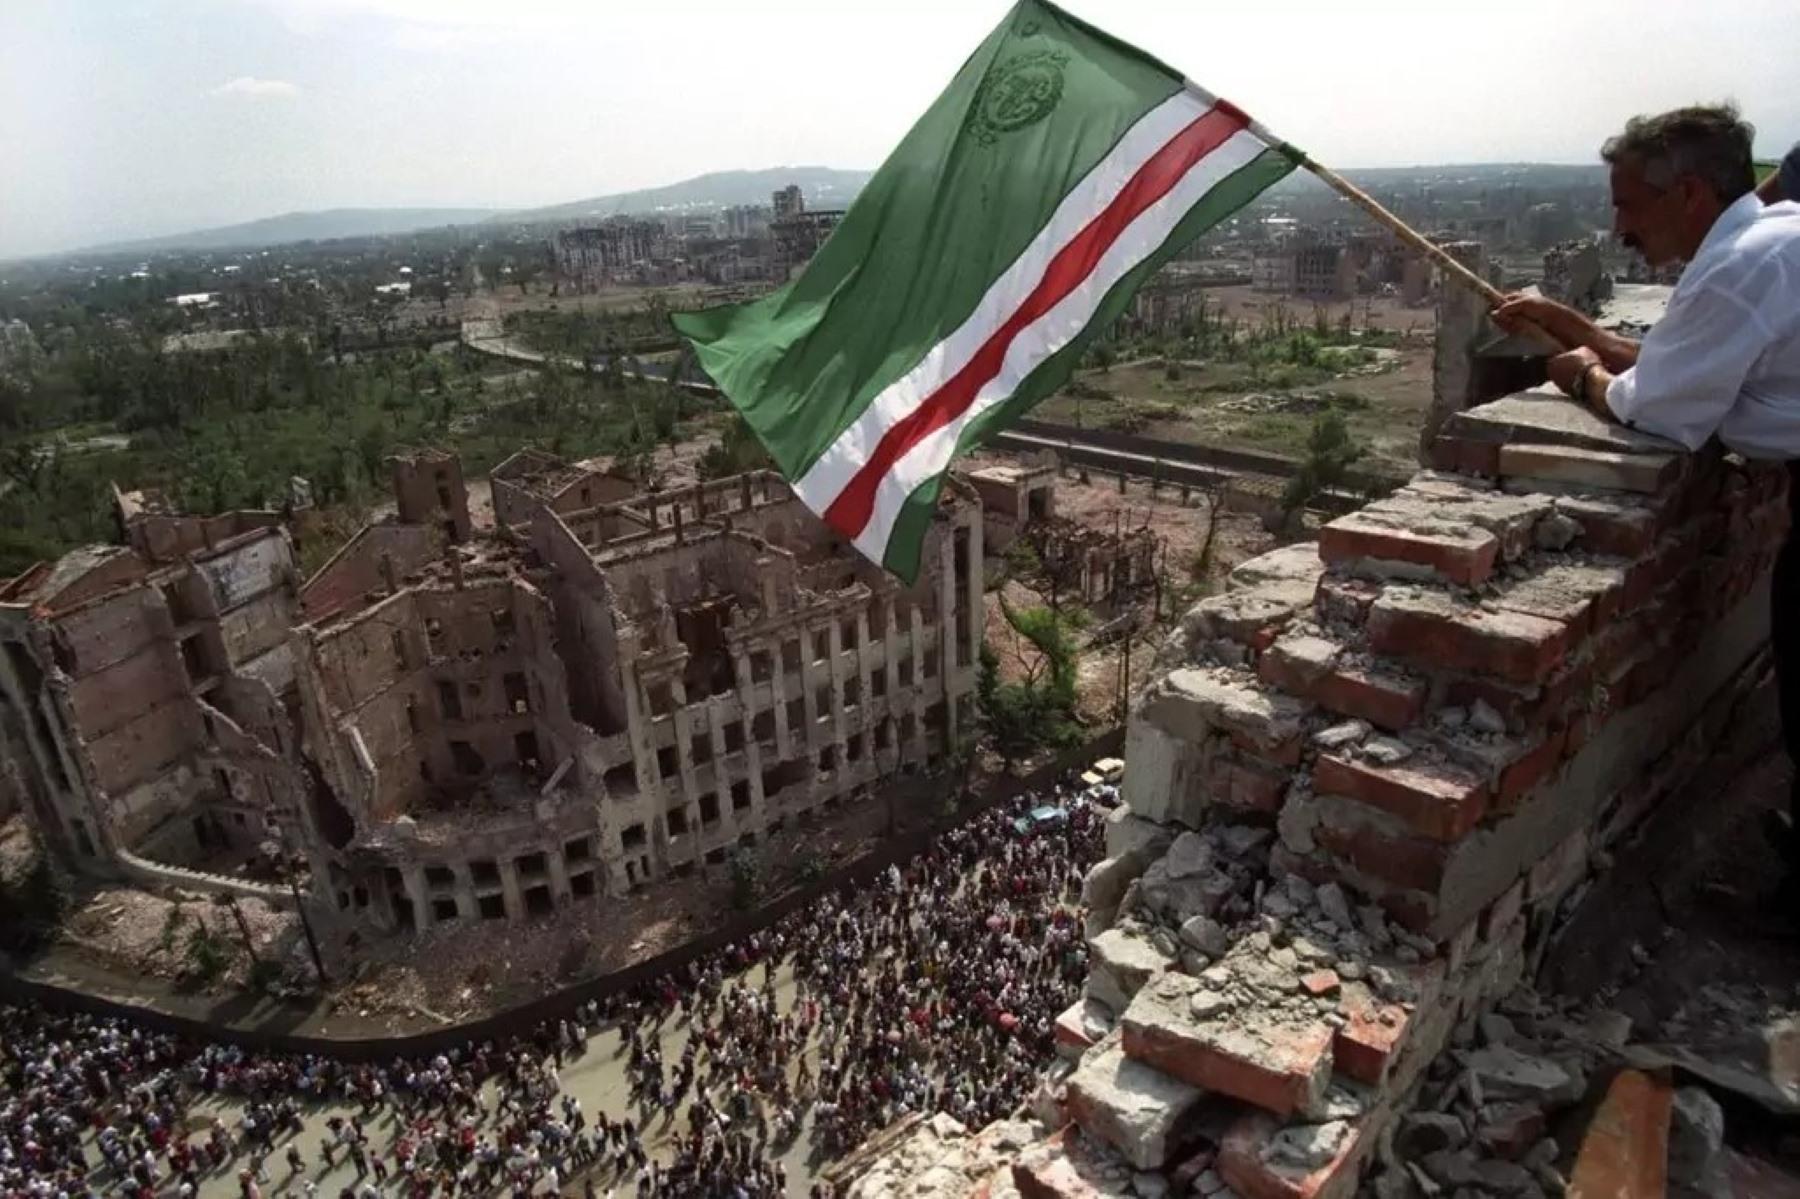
1544,416
1143,1113
1121,961
1278,1058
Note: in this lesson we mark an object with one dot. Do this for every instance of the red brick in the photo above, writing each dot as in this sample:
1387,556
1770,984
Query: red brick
1390,700
1365,1047
1647,474
1619,530
1242,1166
1558,869
1060,1168
1250,787
1281,753
1344,601
1071,1031
1278,1067
1508,1130
1518,706
1464,456
1528,770
1430,628
1460,553
1439,801
1319,982
1411,862
1503,911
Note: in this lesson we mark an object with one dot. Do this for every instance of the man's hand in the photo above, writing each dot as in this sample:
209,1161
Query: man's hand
1568,326
1567,371
1558,320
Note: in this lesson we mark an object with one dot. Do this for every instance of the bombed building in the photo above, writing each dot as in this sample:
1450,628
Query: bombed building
448,721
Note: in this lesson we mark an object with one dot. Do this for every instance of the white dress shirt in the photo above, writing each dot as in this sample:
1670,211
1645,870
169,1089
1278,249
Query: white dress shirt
1725,357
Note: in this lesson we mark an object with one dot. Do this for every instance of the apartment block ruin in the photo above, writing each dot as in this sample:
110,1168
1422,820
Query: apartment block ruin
454,722
146,689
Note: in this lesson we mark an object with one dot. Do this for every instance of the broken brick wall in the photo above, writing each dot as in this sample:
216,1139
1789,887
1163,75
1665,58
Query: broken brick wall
1362,783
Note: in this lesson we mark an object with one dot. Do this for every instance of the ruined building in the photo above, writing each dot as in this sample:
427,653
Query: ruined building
146,688
454,722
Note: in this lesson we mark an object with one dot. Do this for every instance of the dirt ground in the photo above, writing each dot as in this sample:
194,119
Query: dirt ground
1226,404
1181,528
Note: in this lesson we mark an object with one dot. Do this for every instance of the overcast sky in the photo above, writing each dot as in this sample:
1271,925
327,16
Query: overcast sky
126,118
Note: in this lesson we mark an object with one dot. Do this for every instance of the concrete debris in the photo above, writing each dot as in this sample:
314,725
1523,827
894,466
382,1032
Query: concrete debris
1306,1147
1350,732
1386,751
1696,1143
1143,1113
1484,719
1506,1073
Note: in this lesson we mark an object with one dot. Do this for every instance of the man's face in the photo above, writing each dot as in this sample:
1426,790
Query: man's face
1656,222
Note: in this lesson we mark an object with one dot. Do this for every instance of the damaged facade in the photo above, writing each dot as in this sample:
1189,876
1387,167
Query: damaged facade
451,722
146,690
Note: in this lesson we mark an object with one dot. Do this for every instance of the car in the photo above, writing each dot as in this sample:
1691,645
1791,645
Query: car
1105,770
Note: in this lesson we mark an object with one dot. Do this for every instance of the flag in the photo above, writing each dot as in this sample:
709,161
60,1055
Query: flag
1011,226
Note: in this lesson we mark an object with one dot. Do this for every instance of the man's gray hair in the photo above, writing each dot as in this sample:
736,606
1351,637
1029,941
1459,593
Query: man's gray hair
1709,141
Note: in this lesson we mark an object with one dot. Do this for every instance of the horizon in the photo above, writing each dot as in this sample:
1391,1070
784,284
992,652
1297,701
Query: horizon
137,124
498,214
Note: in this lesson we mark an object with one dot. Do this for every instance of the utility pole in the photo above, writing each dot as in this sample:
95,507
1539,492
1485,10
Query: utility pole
243,928
312,942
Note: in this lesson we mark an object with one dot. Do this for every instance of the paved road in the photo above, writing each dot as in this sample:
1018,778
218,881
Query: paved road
597,1078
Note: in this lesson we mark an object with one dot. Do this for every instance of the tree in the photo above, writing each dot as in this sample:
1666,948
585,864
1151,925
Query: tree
1039,709
746,877
738,450
1329,455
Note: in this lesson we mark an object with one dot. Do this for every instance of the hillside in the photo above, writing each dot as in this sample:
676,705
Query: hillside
825,187
322,225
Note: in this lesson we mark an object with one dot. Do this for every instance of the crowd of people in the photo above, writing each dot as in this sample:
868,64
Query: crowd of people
935,989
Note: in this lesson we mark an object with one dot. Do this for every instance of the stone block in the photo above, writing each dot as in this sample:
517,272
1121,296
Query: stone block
1603,470
1388,540
1296,662
1435,799
1120,962
1073,1033
1130,835
1191,702
1266,1055
1433,629
1289,574
1139,1111
1544,416
1166,774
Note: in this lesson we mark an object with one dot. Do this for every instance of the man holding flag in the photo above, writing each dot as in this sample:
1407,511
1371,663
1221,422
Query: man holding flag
1724,360
1009,229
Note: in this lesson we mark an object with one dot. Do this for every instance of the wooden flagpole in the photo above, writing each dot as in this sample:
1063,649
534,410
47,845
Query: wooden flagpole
1405,232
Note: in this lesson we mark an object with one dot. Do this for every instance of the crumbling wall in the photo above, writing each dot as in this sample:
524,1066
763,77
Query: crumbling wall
1361,784
429,490
362,565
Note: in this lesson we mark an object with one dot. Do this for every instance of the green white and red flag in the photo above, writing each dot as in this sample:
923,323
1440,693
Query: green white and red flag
1012,225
